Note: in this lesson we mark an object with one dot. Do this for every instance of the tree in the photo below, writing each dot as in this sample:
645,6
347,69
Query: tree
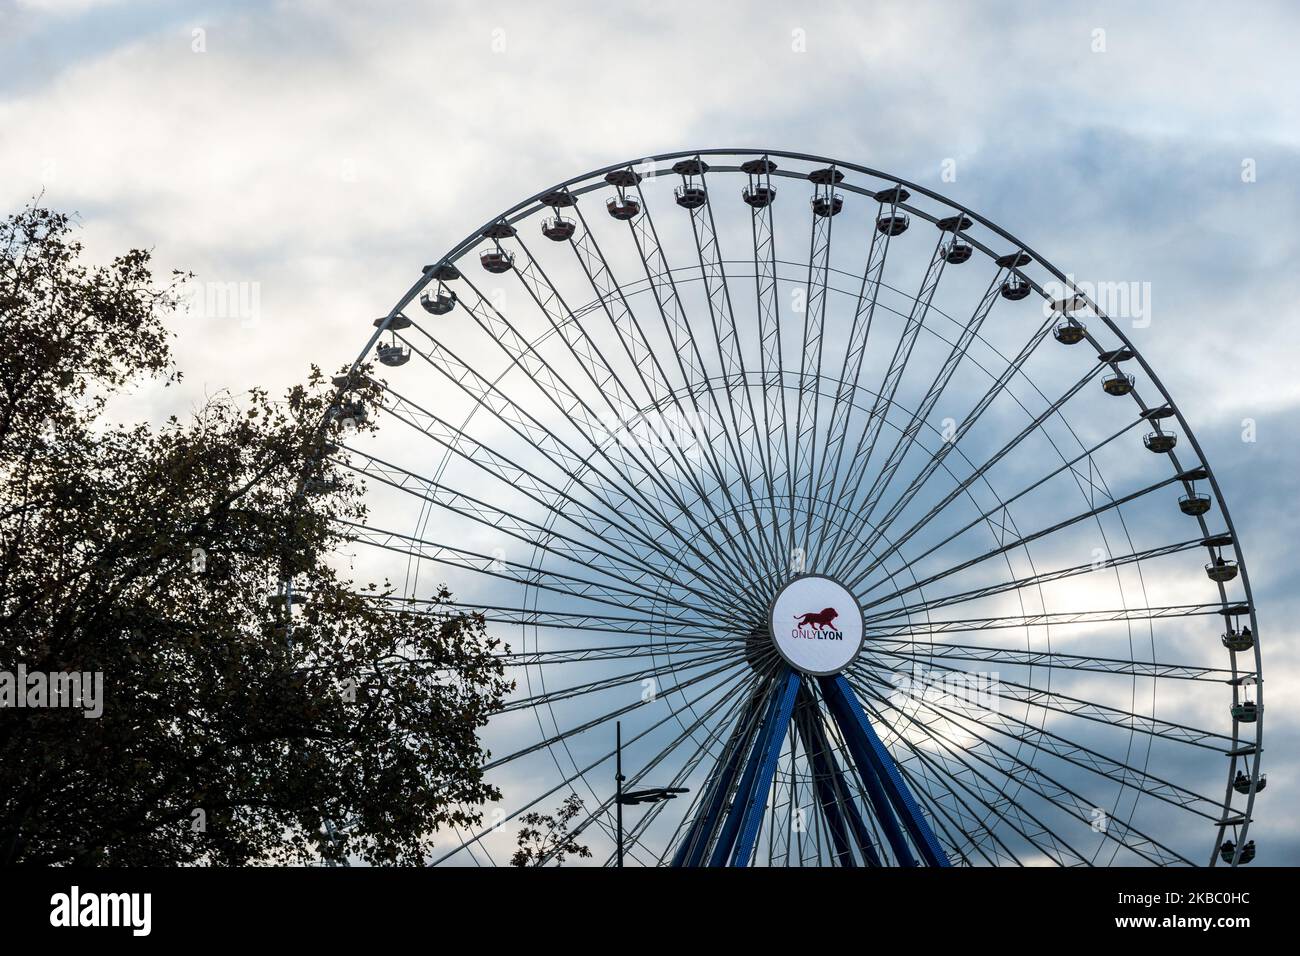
173,560
545,837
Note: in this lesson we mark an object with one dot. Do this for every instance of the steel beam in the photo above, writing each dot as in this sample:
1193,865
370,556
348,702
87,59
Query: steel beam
740,831
879,773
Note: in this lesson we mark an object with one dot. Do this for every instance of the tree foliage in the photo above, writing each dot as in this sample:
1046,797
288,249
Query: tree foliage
234,722
546,837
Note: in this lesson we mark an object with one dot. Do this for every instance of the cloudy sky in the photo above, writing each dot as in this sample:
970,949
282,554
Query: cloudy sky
320,153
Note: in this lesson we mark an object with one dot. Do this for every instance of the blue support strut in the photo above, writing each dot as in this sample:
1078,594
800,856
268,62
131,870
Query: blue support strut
694,844
859,829
833,788
824,776
746,813
871,785
875,762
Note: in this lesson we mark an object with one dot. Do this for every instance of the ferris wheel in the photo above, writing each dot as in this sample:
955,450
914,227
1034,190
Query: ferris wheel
827,524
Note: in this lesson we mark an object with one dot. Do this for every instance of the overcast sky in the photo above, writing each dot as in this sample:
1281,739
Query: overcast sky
322,152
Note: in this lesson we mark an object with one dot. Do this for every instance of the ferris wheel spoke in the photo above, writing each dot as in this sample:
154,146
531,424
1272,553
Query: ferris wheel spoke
921,414
744,417
760,195
617,652
908,649
651,372
627,568
609,523
1057,702
1032,580
641,501
948,822
859,331
694,650
951,767
508,570
882,630
907,437
636,501
644,362
884,400
613,715
683,664
651,459
1000,806
1021,541
1069,466
1079,755
1053,660
568,780
1064,798
825,204
690,365
665,632
936,460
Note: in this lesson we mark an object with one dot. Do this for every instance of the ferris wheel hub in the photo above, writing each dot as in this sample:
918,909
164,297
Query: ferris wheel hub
816,624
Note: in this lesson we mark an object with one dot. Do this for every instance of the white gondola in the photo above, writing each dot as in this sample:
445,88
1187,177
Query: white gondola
393,355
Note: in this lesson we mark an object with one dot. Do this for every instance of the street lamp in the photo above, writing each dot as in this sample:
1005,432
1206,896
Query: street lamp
633,797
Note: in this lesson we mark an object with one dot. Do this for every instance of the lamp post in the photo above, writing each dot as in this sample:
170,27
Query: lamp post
633,797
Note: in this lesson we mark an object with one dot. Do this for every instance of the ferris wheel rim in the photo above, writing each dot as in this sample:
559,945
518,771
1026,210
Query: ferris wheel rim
525,209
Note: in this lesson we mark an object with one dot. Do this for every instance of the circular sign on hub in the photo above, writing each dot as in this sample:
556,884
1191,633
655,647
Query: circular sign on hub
816,624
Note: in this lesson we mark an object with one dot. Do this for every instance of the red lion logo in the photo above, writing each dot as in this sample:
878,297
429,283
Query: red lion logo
817,621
